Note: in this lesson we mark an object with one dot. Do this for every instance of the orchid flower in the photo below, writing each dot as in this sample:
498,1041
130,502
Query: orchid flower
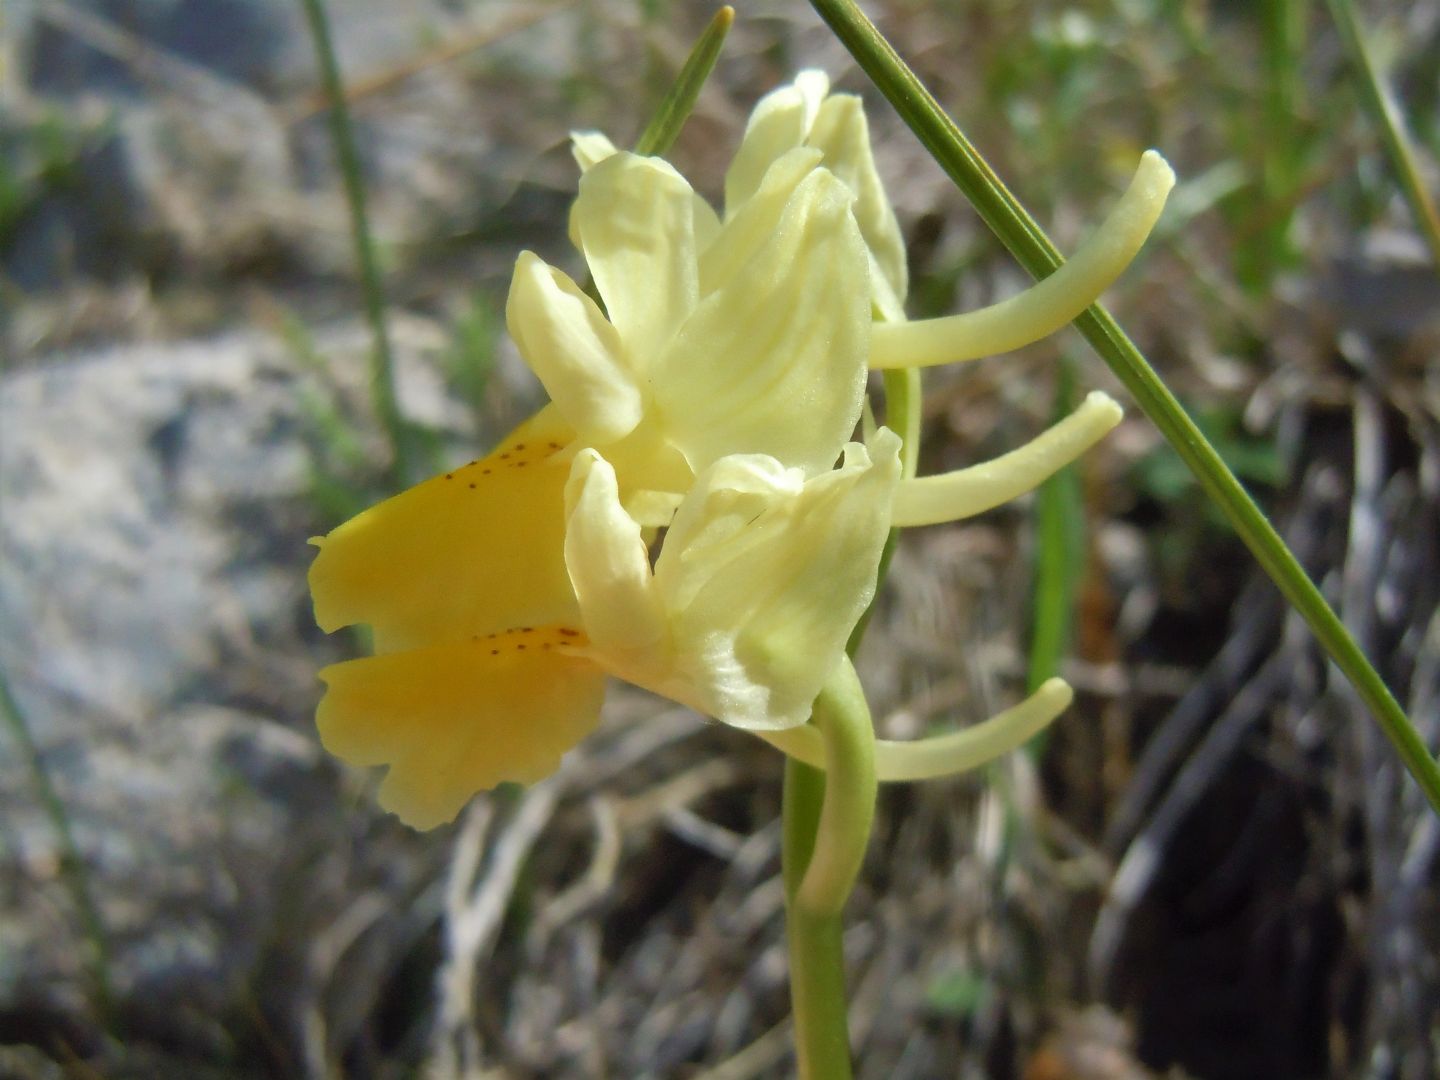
762,576
698,358
712,395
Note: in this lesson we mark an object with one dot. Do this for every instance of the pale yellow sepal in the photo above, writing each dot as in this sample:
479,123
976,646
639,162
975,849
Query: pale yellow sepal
635,220
573,350
1046,306
608,561
589,148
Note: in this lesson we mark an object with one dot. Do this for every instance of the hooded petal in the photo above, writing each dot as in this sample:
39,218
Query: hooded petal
608,560
752,226
573,350
763,578
785,338
476,549
635,219
779,123
843,135
454,719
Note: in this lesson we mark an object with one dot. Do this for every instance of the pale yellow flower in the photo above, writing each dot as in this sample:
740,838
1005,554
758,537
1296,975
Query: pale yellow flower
761,578
713,395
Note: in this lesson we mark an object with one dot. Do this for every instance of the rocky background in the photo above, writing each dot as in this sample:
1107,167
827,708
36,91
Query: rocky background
1212,867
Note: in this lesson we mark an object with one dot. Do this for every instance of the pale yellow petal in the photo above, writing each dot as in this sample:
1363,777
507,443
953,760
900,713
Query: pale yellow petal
470,551
748,230
779,123
635,218
842,133
608,561
707,223
774,361
454,719
573,350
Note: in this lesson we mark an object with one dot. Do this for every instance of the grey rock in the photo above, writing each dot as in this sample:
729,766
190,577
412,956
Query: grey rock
155,628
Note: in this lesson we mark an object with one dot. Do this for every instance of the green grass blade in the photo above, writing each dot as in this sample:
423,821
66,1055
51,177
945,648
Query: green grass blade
1386,114
1034,251
72,866
382,370
1059,557
660,134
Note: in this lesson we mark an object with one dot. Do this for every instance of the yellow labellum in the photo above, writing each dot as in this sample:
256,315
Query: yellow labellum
456,718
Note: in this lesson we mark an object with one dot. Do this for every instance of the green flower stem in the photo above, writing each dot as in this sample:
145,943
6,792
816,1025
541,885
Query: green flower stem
812,926
817,960
1033,249
843,719
827,818
814,933
382,366
660,134
1387,116
903,397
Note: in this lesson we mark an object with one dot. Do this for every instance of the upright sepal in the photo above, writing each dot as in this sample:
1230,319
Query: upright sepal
574,351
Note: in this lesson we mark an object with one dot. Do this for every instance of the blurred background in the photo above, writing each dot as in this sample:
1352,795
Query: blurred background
1212,866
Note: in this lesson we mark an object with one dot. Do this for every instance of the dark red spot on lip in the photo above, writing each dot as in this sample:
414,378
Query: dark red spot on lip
504,457
568,632
519,446
449,476
472,487
521,646
527,629
494,652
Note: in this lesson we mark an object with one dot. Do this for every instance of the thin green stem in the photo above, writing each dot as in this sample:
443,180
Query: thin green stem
660,134
827,819
382,366
817,960
1386,114
1035,252
902,415
1059,555
72,865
